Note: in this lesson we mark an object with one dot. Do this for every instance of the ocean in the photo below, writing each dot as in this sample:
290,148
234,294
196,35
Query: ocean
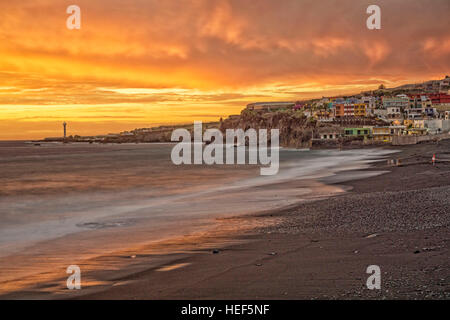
64,203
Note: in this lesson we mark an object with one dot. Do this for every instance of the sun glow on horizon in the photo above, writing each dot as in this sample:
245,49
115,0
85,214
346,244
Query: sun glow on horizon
139,64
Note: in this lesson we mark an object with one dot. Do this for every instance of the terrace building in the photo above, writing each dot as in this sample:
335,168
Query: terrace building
415,109
339,110
350,110
371,104
397,102
330,133
394,113
359,110
436,98
357,132
386,133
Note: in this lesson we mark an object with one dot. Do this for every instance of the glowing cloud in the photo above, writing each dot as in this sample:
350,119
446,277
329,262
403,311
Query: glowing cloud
175,61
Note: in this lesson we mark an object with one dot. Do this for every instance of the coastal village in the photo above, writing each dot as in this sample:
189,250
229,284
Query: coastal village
407,114
404,115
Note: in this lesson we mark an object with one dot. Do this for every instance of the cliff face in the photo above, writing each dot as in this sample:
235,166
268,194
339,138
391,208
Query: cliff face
295,129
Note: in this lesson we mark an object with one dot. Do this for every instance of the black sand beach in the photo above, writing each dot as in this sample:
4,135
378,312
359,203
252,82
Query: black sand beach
320,250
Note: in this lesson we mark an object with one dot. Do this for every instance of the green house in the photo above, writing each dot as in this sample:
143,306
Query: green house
357,132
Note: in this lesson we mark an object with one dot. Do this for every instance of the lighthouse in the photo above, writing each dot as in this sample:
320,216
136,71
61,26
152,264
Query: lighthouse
64,126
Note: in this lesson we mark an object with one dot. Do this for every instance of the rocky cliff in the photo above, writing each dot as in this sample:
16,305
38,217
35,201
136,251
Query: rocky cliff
296,130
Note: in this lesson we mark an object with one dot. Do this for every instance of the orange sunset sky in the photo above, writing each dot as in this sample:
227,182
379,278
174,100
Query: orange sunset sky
140,63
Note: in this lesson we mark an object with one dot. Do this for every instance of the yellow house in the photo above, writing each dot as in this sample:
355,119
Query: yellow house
385,133
381,134
360,109
408,123
416,131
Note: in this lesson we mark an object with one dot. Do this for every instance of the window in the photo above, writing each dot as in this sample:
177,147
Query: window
366,132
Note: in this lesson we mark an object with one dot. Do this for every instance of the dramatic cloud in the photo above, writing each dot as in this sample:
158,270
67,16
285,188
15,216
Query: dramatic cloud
174,60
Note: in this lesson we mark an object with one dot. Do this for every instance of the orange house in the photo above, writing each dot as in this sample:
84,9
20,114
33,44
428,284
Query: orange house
339,110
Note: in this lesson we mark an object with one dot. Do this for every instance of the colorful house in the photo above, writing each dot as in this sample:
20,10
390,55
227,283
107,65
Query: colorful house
339,110
387,132
359,109
398,102
298,106
357,132
350,110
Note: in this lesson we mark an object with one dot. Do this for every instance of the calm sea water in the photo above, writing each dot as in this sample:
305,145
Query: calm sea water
61,203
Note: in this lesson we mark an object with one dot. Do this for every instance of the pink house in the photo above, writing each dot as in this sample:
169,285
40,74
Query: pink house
298,106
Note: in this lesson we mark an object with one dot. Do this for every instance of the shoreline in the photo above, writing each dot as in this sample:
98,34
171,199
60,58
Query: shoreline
298,259
248,262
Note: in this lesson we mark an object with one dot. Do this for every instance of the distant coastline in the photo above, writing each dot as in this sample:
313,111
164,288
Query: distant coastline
376,117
